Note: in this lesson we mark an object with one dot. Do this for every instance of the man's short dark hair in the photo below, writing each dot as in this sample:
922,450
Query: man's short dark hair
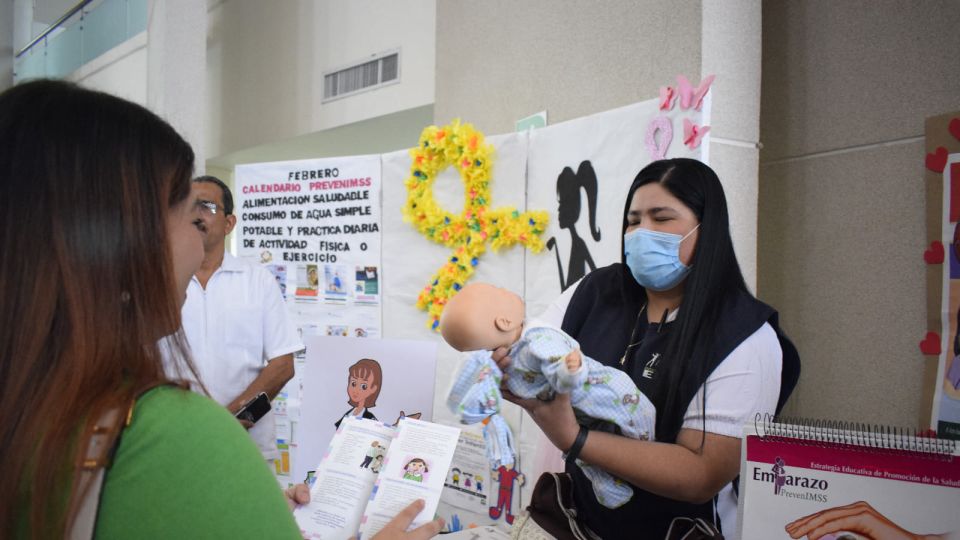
227,196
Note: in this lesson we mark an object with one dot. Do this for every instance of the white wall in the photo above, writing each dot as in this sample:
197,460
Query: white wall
846,89
355,30
121,71
265,64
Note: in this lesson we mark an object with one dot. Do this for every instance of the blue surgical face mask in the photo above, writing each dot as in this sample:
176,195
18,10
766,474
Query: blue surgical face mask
654,258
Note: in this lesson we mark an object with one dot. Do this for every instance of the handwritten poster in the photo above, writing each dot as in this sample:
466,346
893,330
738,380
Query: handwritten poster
316,226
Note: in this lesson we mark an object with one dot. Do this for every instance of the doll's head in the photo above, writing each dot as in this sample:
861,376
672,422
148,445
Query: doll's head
482,317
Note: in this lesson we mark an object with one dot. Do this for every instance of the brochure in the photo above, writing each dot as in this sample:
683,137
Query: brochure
371,471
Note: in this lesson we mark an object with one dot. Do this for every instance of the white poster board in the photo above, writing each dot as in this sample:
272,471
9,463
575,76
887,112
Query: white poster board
607,150
315,224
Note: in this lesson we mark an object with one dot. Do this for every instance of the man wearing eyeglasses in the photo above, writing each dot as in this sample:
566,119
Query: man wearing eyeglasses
235,319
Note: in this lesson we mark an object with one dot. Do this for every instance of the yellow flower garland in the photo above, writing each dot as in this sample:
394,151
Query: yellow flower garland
463,147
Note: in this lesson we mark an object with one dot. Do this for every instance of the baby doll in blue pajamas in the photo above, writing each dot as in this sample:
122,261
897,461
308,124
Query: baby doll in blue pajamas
545,360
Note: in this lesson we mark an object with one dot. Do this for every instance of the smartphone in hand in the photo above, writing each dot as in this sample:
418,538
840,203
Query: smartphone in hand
254,409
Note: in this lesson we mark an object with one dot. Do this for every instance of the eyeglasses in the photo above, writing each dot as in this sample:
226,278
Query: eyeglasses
209,207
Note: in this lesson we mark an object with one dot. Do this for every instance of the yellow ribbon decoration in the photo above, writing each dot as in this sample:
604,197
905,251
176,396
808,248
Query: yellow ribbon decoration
469,232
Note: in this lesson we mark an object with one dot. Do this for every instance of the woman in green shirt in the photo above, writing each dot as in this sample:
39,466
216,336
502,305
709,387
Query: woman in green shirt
99,239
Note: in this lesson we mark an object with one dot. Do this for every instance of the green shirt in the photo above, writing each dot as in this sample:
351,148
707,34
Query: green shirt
185,468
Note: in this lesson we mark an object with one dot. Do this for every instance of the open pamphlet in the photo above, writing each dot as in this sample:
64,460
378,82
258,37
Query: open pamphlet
371,472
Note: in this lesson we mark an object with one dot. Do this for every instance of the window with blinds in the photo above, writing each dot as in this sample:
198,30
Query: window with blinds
360,77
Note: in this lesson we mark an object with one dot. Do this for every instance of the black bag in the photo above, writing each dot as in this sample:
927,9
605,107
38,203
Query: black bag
551,514
683,528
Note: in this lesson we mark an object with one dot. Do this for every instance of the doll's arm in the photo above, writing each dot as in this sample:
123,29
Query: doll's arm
560,361
573,373
574,360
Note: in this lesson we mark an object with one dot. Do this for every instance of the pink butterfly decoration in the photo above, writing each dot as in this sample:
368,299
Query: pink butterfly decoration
690,95
667,96
692,133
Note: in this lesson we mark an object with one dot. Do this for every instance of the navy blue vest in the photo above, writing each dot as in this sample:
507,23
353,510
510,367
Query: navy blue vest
602,317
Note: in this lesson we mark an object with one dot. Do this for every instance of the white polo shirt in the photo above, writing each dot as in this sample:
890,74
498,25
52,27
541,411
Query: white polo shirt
234,327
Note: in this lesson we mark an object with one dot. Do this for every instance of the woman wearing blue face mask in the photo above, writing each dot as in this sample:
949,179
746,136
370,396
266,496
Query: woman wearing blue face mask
676,315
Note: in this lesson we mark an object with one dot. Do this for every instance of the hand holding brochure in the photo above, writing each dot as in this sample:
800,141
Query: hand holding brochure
372,471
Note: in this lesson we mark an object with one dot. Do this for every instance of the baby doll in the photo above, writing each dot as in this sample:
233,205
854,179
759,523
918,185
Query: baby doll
545,360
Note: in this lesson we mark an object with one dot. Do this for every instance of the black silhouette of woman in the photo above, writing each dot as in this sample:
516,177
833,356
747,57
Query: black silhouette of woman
568,213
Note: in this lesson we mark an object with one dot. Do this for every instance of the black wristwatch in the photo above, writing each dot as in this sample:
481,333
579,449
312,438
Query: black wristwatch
574,452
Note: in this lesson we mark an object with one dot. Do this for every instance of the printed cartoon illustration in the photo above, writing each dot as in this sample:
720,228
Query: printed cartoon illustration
466,481
313,281
372,452
479,479
505,475
364,381
377,464
415,469
337,330
415,416
456,476
568,213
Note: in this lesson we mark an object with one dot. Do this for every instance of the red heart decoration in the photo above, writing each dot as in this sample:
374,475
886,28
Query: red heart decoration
934,255
930,346
937,160
954,128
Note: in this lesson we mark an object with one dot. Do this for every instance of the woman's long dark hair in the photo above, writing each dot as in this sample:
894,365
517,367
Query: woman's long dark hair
87,181
714,278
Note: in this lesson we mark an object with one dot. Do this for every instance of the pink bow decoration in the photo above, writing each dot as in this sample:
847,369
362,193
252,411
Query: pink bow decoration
667,96
692,133
658,150
693,96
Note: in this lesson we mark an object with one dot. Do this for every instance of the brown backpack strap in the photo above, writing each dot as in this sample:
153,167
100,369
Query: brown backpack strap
102,439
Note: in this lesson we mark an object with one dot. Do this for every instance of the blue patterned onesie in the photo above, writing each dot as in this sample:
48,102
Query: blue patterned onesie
599,394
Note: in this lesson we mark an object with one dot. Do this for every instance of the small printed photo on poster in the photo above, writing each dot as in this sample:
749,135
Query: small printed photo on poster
279,272
416,469
364,332
335,283
307,283
337,330
367,285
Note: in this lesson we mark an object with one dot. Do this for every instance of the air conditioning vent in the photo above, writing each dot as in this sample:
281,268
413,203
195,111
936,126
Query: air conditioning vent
364,76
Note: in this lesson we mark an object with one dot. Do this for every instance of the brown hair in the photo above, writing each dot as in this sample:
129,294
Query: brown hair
87,280
415,460
363,369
